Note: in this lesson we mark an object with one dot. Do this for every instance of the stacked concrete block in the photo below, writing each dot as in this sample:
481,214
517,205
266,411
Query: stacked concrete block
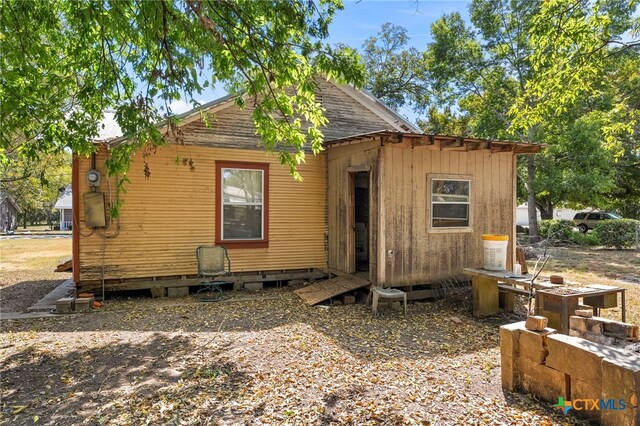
84,304
65,305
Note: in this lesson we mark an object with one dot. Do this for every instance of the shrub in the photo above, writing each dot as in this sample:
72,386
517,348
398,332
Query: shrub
616,233
581,239
557,230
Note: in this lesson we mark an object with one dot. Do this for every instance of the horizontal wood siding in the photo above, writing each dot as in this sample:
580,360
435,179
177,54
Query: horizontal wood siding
408,252
234,128
164,218
341,249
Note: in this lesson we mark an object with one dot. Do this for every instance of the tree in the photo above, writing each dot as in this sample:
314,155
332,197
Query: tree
495,72
395,73
36,185
64,62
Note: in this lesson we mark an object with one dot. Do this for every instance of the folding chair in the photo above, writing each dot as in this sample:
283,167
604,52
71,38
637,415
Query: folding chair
213,262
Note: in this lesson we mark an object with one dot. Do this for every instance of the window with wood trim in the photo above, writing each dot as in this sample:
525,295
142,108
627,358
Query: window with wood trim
242,204
450,202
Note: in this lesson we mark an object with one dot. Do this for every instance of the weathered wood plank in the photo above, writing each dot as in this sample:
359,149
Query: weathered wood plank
323,290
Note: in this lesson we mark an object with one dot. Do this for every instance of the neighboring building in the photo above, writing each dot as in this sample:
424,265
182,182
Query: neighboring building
65,207
383,198
8,213
522,214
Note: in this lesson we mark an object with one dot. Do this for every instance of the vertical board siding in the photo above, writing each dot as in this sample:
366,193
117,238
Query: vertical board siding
164,218
420,256
339,159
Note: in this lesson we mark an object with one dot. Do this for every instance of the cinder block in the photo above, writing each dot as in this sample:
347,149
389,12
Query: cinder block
542,381
509,336
177,291
83,304
348,299
253,286
65,305
536,323
159,292
585,399
576,357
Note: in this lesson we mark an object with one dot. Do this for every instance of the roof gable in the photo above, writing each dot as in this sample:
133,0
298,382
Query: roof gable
348,111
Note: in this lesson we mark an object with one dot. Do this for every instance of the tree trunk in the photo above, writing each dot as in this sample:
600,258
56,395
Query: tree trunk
546,208
24,219
531,199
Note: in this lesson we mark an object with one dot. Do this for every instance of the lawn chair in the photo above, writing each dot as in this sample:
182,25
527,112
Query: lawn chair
211,265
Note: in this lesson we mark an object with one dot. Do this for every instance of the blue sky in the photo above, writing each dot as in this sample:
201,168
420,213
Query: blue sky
362,19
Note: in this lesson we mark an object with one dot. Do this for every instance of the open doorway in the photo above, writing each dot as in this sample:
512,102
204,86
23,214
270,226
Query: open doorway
361,220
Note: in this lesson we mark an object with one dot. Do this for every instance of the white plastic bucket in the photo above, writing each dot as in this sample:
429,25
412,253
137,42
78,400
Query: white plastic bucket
495,252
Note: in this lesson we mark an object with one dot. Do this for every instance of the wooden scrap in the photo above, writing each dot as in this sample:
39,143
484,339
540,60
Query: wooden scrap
521,260
323,290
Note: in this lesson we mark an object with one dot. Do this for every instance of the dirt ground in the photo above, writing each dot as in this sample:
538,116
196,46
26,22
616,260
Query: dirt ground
266,358
26,270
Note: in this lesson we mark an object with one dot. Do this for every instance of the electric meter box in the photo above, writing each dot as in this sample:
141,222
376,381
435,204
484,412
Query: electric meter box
94,213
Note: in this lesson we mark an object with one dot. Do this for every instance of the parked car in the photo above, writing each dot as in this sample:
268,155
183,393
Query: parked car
587,220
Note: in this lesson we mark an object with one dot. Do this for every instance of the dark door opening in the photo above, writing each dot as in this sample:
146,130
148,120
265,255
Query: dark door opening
361,220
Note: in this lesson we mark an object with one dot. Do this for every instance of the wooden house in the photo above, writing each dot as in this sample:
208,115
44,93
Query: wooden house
382,197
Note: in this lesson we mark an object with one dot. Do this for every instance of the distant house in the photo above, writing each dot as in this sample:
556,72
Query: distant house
522,214
384,199
8,213
65,207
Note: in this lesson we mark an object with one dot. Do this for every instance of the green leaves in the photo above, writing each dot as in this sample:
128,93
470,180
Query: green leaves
65,62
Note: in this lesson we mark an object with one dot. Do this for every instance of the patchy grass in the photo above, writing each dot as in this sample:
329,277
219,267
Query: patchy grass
26,270
266,358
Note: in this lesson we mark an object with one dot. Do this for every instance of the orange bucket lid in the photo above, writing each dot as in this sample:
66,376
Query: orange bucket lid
495,237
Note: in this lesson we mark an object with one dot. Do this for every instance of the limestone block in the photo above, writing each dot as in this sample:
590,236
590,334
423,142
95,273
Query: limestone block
621,377
509,336
178,291
599,338
592,325
542,381
584,396
576,357
619,329
554,318
532,345
586,313
536,323
508,373
575,333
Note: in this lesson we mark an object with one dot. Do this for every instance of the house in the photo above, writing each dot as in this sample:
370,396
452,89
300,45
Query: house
8,213
65,207
382,198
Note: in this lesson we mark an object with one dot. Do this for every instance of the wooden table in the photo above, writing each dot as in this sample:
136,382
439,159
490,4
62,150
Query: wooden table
485,288
554,301
564,301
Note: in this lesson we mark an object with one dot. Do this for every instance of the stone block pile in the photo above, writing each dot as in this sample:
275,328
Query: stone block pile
594,376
